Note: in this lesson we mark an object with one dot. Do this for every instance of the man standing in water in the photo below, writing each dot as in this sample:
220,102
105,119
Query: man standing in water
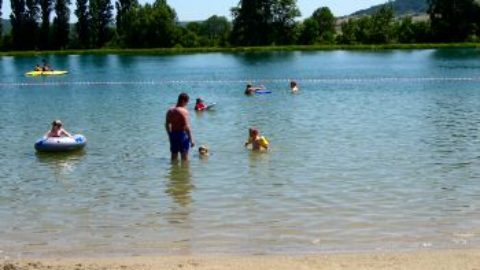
178,128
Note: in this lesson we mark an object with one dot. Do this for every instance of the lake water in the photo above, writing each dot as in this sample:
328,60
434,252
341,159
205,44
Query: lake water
378,151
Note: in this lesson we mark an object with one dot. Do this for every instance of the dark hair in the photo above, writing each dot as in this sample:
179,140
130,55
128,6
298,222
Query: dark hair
183,97
57,123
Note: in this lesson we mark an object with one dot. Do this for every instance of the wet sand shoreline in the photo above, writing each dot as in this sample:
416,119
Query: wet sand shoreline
421,260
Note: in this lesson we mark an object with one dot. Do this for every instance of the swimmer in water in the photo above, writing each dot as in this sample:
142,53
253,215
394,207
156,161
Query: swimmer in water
257,141
203,151
294,86
250,90
199,105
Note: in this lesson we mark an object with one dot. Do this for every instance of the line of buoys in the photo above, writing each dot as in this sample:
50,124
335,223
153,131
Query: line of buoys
271,80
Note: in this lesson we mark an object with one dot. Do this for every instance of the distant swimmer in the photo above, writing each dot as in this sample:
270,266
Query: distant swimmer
57,130
250,90
294,86
199,105
257,141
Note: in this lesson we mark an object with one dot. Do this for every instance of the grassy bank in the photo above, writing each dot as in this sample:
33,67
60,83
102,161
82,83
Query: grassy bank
171,51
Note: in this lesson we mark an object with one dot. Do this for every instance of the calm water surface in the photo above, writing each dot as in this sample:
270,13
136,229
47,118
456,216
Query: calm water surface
378,151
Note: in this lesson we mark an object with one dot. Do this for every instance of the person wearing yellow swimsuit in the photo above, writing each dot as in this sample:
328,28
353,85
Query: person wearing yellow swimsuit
257,141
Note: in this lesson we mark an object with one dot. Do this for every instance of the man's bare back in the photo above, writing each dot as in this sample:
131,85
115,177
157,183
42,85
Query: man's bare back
177,119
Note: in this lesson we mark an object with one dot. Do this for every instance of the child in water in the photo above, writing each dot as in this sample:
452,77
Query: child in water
57,130
294,86
250,90
199,105
203,151
257,141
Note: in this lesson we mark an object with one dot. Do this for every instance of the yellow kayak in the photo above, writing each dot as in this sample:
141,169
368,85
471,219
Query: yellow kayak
46,73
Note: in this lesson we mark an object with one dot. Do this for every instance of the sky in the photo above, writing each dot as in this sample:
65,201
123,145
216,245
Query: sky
195,10
191,10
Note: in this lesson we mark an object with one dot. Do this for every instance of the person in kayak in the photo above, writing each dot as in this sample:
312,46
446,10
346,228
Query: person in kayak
46,66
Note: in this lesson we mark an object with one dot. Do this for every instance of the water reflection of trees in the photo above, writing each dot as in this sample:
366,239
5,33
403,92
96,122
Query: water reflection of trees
456,54
253,58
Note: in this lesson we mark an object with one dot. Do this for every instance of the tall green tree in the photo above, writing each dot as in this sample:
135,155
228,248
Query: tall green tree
283,15
264,22
101,12
32,28
247,24
17,20
23,23
189,37
405,30
409,31
422,31
123,7
61,24
1,23
376,29
309,32
44,35
381,31
355,31
363,30
195,27
453,20
320,27
82,26
162,27
326,24
217,30
151,26
348,30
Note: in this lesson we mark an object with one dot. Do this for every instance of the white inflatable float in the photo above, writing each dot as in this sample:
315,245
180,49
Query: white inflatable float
61,144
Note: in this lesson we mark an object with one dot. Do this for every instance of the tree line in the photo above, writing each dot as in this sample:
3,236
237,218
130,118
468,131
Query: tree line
45,25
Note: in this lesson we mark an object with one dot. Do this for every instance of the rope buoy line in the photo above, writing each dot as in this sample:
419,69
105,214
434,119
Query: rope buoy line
304,80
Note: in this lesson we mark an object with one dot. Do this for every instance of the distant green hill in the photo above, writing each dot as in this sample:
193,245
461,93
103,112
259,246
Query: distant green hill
401,7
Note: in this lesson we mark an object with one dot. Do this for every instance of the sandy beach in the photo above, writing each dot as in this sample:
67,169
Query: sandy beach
421,260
